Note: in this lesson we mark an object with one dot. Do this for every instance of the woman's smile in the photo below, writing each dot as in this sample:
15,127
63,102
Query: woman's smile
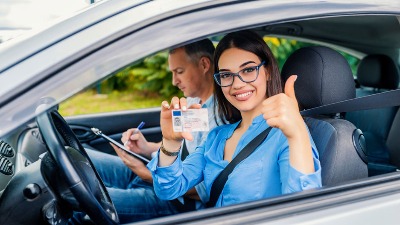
242,95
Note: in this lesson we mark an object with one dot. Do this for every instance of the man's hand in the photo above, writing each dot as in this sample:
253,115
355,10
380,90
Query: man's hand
137,143
136,165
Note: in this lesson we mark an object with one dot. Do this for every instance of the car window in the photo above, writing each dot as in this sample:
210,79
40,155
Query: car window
147,83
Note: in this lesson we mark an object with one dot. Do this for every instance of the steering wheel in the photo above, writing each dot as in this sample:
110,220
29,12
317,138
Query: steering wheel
76,168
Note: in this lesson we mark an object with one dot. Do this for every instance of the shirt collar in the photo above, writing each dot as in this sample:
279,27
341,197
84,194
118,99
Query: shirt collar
209,102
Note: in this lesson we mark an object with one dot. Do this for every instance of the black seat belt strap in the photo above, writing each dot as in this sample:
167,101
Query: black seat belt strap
221,179
379,100
185,151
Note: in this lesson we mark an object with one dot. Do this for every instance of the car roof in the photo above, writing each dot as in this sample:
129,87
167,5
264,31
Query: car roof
74,46
42,38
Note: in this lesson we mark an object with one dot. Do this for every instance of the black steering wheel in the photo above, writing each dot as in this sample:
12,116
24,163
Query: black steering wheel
75,168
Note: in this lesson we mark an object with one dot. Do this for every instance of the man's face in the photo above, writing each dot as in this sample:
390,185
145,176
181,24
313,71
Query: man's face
186,75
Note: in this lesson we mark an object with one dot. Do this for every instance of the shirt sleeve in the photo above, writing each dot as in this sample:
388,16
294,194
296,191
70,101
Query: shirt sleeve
175,180
298,181
293,180
201,191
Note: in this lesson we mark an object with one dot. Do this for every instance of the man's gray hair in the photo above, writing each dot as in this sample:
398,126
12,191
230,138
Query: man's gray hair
198,49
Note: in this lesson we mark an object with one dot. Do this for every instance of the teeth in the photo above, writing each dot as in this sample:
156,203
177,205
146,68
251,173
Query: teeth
244,94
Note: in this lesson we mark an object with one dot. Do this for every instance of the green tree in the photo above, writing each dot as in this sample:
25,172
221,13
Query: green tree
150,75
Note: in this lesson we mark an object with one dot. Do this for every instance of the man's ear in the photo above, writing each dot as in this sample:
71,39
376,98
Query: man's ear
205,64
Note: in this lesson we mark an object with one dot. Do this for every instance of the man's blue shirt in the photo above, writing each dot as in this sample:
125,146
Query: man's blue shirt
265,173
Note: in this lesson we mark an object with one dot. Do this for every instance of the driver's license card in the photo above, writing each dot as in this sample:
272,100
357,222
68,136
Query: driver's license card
191,120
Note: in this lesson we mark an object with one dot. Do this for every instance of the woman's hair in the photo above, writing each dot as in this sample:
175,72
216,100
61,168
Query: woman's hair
249,41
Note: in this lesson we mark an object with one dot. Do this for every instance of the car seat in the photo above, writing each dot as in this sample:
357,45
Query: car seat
324,77
375,74
393,141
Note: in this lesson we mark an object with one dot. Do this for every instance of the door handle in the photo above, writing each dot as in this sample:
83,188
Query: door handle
84,134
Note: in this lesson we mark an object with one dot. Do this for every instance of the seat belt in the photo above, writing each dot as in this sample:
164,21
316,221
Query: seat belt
185,151
379,100
221,179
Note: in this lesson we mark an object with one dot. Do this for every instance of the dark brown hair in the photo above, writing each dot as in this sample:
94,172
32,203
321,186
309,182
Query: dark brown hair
249,41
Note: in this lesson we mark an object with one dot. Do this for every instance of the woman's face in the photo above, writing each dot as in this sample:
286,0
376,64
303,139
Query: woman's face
246,97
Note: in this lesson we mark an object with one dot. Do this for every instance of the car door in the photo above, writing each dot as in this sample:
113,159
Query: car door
114,124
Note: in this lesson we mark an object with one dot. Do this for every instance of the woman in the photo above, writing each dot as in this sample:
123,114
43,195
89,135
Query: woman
249,95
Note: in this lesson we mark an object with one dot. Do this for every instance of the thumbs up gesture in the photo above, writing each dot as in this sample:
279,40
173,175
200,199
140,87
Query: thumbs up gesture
282,110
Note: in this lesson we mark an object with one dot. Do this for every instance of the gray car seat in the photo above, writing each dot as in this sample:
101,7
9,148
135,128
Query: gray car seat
325,77
375,74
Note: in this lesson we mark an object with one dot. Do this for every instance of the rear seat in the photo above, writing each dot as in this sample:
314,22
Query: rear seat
375,74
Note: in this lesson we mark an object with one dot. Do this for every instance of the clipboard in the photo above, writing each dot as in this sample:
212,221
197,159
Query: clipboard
99,133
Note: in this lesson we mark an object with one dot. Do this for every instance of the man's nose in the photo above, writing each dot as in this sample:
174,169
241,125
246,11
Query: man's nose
174,79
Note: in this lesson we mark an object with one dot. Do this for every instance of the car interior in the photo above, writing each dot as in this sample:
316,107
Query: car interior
353,145
376,74
321,83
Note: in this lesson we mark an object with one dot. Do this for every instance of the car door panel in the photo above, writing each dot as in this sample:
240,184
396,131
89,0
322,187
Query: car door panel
113,125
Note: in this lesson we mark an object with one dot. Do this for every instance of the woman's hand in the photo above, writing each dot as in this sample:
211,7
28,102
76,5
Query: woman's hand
282,111
172,140
166,119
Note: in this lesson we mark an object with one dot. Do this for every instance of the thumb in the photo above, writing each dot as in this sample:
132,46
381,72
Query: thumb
289,86
187,135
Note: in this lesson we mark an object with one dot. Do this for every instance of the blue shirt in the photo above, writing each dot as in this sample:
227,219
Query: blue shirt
199,138
265,173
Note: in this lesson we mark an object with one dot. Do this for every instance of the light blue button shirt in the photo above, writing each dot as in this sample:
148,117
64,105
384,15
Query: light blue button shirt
265,173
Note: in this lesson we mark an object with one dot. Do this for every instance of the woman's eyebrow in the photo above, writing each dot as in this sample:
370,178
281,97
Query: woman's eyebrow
242,65
246,63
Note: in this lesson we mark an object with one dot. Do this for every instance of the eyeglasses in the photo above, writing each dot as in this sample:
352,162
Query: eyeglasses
247,75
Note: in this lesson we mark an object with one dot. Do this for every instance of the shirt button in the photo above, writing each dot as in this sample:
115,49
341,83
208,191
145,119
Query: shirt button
305,184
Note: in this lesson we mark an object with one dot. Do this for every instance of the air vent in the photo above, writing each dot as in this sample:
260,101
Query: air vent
6,166
6,150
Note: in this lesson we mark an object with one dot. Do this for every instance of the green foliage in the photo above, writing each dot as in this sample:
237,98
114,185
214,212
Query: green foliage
153,75
148,76
282,48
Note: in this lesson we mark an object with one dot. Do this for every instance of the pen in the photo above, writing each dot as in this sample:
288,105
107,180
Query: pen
140,126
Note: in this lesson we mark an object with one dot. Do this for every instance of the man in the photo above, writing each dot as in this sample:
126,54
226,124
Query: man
130,183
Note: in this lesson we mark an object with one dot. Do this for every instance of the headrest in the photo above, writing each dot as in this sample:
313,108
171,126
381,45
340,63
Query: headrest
378,71
323,76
